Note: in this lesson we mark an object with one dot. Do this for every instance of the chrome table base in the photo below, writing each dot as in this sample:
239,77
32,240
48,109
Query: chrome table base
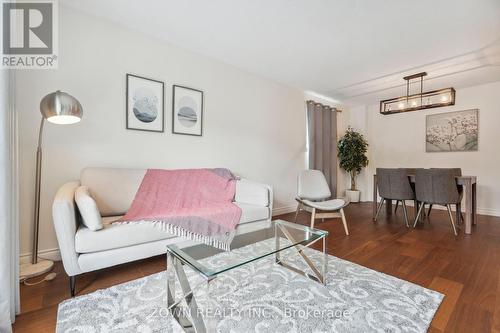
318,276
191,319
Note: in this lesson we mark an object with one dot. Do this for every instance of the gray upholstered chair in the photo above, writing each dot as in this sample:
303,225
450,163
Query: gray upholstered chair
438,187
457,172
409,171
313,192
394,184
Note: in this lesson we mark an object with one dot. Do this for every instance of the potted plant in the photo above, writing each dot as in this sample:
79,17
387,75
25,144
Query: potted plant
352,149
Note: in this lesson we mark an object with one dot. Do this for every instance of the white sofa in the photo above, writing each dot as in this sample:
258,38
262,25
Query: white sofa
83,250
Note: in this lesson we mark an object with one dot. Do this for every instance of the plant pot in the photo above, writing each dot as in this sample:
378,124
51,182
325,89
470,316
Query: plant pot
353,196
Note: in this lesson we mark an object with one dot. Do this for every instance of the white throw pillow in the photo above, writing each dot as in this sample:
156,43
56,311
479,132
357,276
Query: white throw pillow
88,208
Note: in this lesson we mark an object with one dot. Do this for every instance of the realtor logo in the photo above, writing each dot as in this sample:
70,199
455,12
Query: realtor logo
29,34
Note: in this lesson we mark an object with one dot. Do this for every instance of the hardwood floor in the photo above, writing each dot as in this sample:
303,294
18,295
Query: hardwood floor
465,268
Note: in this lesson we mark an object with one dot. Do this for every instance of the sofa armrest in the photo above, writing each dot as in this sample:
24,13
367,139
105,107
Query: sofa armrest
66,225
254,193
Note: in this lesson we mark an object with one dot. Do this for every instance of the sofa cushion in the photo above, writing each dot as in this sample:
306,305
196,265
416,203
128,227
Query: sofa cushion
249,192
112,189
88,208
102,259
252,213
114,236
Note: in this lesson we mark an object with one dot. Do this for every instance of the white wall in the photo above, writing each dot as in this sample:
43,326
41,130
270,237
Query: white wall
251,125
399,141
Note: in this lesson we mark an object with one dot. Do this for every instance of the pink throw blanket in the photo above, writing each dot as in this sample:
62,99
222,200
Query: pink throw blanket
194,203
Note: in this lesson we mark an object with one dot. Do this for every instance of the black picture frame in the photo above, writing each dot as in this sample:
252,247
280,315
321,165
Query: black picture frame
127,90
174,87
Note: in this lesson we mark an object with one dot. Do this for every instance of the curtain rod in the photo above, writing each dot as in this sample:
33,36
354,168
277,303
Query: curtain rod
324,106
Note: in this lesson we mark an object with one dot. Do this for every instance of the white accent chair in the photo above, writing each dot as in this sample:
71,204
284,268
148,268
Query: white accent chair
312,192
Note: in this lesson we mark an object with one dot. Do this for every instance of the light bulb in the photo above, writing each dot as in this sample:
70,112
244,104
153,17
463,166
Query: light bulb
413,103
401,105
444,98
63,120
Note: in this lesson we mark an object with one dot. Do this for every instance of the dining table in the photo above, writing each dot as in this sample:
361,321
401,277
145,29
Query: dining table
469,184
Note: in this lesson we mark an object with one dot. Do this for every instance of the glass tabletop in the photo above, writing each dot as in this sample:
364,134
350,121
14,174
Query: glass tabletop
247,246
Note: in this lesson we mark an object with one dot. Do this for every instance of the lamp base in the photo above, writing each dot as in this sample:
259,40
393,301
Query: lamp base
30,270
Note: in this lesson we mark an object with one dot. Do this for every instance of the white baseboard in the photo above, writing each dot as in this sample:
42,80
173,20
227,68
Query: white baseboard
50,254
488,211
284,210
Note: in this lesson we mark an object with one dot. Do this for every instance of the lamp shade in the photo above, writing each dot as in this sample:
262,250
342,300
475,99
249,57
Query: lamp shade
61,108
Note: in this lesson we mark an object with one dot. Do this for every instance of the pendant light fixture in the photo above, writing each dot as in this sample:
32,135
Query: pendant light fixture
419,101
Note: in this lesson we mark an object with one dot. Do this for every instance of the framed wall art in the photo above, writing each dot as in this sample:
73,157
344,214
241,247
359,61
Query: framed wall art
187,111
145,104
452,131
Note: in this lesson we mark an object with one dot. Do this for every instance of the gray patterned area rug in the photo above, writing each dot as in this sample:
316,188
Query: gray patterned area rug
262,297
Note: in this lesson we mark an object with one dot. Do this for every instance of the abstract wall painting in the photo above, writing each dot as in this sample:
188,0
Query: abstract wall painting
452,131
145,104
187,111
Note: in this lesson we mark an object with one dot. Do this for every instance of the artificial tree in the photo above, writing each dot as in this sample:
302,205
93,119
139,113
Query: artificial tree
352,149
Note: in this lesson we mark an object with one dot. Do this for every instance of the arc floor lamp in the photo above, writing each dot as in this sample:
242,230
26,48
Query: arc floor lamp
62,109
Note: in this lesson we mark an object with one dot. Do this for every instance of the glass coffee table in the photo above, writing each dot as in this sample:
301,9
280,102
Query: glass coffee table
284,235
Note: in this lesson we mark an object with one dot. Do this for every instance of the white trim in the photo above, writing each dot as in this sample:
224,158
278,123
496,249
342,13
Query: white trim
284,210
488,211
50,254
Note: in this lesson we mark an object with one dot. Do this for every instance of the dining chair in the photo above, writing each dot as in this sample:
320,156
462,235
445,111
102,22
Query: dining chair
437,187
313,192
457,172
394,184
409,171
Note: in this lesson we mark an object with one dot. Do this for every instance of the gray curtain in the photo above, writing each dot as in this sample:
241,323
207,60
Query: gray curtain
322,141
9,250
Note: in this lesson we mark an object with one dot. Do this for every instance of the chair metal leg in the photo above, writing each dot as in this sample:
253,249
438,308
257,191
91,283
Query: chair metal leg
405,213
379,208
72,285
344,221
396,209
429,211
313,217
451,220
418,214
461,216
299,206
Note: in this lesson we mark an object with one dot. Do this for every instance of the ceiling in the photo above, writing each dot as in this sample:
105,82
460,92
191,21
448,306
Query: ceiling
355,51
